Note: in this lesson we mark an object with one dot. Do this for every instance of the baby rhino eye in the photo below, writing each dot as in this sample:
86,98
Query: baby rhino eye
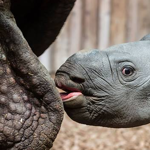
127,70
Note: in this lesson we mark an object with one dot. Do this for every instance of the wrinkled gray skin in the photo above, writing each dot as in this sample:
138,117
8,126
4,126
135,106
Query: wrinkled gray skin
112,97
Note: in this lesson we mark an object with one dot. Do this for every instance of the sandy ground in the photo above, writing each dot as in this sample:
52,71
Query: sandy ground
74,136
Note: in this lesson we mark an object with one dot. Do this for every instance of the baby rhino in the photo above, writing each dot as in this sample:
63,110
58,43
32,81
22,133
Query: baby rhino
108,88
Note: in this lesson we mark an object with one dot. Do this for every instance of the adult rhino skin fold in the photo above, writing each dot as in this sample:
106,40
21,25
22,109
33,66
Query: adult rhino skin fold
31,110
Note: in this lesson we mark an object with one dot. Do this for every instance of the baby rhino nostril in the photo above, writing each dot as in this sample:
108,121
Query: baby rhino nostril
77,79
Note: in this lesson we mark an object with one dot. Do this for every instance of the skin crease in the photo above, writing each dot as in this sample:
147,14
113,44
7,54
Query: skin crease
115,85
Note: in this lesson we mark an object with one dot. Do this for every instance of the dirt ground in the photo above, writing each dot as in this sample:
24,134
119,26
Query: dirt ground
74,136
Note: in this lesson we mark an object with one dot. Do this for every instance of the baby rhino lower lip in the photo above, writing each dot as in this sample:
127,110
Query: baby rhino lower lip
69,96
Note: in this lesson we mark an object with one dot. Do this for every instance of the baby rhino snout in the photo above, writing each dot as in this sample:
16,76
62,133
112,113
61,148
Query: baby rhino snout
74,78
74,68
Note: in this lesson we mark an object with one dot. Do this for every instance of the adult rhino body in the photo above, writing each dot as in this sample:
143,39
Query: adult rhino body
31,111
108,88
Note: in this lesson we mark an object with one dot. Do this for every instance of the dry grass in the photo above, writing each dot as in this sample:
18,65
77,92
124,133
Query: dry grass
74,136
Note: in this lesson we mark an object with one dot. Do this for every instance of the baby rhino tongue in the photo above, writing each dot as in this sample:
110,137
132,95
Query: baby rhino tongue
66,96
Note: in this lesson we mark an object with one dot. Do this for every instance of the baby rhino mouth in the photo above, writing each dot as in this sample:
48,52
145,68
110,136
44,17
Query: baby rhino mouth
72,97
69,93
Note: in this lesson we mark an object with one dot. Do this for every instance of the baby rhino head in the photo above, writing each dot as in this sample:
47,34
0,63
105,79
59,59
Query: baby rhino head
108,88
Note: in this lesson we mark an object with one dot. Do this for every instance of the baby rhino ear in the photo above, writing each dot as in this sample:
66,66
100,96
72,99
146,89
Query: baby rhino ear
146,38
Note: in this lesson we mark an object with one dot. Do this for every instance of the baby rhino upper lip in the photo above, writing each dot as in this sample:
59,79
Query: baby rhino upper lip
62,86
63,81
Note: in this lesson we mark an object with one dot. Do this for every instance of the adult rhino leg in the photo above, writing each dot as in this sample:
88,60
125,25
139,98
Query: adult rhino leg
30,107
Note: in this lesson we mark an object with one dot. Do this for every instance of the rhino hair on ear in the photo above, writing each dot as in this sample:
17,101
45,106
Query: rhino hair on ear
146,38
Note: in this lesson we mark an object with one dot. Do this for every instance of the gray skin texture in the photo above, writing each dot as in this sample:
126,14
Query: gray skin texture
115,85
31,110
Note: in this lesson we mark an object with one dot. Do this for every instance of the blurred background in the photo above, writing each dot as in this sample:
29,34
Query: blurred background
99,24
